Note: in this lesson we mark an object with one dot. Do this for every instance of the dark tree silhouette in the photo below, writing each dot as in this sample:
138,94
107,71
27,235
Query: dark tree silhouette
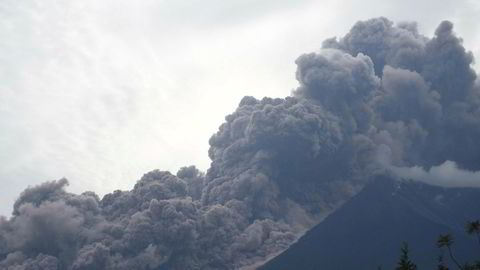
405,263
441,264
473,227
475,266
446,240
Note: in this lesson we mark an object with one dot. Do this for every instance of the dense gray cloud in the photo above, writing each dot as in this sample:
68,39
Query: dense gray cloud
383,98
263,145
194,179
340,82
385,44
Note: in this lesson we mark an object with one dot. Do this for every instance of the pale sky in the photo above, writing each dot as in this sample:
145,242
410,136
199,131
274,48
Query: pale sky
101,92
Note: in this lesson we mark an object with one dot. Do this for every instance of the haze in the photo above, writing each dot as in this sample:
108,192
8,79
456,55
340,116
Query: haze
102,92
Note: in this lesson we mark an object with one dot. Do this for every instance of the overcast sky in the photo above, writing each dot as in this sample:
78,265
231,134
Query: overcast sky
101,92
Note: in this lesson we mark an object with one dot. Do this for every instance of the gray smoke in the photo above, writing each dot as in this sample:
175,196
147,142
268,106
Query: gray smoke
382,99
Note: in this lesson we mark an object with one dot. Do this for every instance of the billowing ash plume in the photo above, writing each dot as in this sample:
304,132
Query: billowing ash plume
383,98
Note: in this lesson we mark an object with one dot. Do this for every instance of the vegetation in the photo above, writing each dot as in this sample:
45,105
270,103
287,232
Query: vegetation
444,242
473,227
405,263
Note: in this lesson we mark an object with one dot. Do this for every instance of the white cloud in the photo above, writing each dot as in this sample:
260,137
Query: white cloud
447,174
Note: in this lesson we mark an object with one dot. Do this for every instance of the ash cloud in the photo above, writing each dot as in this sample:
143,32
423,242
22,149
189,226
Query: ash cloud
381,99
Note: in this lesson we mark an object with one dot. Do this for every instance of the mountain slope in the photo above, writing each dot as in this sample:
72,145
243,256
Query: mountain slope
367,231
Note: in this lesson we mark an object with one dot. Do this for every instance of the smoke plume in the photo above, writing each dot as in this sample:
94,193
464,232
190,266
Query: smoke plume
381,99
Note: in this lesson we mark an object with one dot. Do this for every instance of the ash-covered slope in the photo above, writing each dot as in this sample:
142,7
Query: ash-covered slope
367,232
